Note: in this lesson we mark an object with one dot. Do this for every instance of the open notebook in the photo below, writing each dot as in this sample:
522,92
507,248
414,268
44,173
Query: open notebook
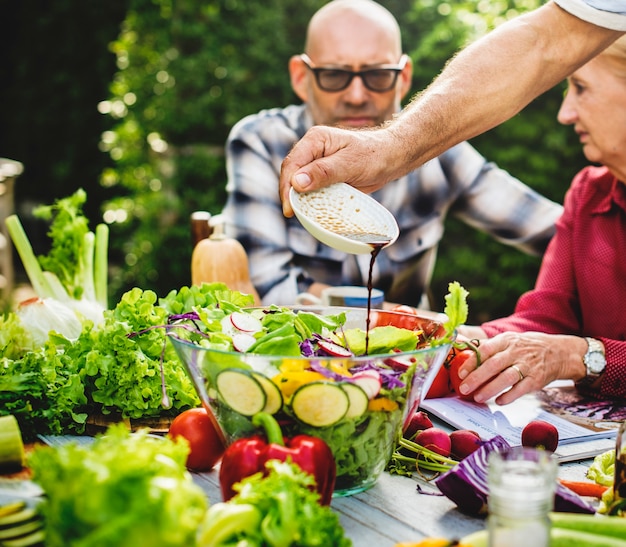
586,426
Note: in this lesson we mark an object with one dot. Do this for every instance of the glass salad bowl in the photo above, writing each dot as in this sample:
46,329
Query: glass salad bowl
294,363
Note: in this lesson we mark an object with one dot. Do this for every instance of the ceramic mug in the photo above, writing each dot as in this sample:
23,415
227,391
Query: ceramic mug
346,296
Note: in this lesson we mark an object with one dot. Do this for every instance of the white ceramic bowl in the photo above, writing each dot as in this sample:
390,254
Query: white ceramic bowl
345,218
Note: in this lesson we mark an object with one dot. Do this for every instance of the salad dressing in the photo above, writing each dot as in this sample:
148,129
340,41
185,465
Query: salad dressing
376,242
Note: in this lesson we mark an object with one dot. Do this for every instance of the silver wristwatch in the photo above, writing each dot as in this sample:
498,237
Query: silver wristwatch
594,360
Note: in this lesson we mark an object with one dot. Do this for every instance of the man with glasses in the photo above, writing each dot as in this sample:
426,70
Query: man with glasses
353,74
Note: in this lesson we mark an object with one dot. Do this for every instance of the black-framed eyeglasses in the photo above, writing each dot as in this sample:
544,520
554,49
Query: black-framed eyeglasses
378,79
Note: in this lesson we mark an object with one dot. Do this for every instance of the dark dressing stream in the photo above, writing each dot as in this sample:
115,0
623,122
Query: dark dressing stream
376,242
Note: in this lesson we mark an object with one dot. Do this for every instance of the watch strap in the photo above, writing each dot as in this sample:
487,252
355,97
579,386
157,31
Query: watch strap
593,347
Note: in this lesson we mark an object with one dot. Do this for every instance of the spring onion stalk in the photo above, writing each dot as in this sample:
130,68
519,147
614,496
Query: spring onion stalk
424,458
29,260
86,270
94,258
101,265
57,290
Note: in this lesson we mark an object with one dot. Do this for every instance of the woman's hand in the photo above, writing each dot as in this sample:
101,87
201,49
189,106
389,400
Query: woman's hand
515,363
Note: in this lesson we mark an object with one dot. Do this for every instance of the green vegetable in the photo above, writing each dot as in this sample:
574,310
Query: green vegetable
592,524
422,459
11,444
124,490
358,444
281,509
71,257
559,537
456,309
76,266
602,469
320,404
241,391
224,521
105,371
382,340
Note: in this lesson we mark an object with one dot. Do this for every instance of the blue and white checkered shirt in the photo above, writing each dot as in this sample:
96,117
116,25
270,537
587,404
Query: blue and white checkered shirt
285,259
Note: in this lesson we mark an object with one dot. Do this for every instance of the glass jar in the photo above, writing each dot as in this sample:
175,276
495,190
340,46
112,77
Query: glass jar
521,484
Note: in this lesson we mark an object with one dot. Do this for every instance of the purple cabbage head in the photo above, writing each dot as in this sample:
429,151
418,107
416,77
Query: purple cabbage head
466,484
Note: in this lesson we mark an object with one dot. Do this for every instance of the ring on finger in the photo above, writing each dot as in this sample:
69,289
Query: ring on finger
519,372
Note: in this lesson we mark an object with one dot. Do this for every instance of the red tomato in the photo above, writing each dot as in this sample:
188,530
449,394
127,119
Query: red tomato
441,384
453,367
405,309
205,441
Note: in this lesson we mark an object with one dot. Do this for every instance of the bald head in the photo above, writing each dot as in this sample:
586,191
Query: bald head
360,39
365,16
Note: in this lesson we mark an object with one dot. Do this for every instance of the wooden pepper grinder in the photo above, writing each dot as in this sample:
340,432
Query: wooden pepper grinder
200,227
219,258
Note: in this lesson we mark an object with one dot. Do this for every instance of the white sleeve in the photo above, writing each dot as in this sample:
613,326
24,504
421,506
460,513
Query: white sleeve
609,14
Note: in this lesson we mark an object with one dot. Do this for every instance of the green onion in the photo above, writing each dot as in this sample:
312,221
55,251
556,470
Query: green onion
29,260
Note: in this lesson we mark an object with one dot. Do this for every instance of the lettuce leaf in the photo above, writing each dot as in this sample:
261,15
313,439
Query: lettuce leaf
280,509
124,490
602,469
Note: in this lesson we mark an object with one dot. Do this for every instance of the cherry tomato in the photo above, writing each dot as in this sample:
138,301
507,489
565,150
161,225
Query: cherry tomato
405,309
403,317
453,368
205,441
441,384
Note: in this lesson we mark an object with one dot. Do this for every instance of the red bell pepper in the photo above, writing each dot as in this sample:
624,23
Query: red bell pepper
247,456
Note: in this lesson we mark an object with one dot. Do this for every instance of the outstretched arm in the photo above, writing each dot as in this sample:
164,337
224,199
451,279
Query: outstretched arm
484,85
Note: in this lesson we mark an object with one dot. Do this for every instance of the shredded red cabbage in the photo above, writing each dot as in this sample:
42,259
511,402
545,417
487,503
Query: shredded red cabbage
317,367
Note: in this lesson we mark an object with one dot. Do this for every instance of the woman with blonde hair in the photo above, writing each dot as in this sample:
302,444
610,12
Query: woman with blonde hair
572,325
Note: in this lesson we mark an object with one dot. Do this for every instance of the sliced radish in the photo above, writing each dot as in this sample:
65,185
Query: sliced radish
245,322
227,326
334,349
242,341
401,362
369,381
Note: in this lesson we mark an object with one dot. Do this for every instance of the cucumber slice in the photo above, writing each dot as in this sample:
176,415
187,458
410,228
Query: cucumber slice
16,518
358,400
274,398
320,404
241,391
14,532
35,539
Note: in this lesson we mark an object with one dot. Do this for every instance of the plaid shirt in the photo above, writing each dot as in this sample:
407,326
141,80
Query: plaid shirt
580,289
285,259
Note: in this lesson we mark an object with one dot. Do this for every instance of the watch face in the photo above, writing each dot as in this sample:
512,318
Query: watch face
596,362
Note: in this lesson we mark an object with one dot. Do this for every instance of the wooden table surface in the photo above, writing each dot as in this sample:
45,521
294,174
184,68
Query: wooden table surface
394,511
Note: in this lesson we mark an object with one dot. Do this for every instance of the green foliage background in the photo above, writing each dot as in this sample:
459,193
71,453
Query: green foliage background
132,100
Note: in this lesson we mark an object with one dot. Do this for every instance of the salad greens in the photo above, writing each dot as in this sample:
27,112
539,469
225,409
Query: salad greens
281,509
78,257
124,490
361,447
55,388
362,442
602,469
